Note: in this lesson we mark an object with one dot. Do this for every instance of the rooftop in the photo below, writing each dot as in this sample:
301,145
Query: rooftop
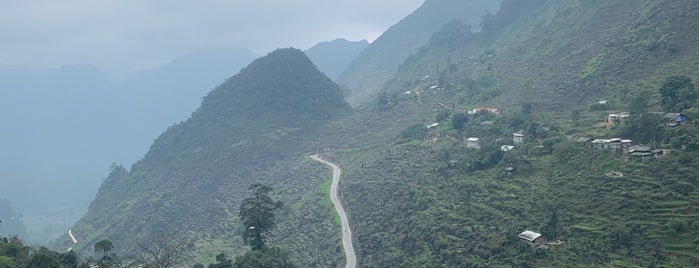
529,235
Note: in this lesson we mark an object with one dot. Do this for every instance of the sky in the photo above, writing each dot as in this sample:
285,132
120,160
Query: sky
145,34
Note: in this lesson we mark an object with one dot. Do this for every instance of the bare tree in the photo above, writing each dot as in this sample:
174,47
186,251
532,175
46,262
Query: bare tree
166,250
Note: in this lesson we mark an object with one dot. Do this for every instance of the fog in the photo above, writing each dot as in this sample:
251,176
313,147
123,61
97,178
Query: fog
84,84
121,36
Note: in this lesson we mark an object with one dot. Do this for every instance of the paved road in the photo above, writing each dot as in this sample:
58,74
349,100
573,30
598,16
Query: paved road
346,232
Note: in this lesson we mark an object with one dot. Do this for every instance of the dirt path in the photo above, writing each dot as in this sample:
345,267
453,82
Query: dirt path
346,232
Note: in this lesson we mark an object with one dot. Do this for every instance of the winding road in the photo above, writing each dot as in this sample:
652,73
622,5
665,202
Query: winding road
346,232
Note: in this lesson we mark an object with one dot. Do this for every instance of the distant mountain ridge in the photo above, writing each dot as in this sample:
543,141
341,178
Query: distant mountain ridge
333,56
377,63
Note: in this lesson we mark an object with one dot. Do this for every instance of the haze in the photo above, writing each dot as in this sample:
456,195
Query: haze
74,74
120,36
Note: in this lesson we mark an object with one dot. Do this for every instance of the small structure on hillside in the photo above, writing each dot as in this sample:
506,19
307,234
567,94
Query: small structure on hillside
644,151
473,143
674,119
487,109
430,126
614,144
507,148
616,119
533,238
518,137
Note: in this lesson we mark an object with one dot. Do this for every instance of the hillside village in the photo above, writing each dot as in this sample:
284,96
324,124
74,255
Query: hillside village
562,133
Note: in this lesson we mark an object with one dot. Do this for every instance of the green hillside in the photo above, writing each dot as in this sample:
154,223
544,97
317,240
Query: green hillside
379,61
423,199
419,196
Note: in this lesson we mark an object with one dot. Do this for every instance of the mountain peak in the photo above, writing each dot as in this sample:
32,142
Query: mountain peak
285,83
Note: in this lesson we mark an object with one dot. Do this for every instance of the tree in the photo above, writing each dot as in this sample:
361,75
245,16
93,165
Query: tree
45,258
69,259
222,262
677,93
257,215
103,248
575,117
639,103
166,250
458,121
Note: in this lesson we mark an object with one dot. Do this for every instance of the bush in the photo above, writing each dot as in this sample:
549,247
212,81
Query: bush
417,131
458,121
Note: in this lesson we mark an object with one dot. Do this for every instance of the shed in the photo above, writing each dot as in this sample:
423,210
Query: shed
518,138
533,238
473,143
626,143
598,144
675,117
506,148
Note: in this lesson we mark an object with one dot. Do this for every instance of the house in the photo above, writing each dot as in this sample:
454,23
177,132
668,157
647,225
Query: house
518,138
626,143
473,143
614,143
598,144
487,109
644,151
616,119
674,119
430,126
532,238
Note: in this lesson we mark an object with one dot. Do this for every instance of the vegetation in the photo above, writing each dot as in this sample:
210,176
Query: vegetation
677,93
257,216
421,197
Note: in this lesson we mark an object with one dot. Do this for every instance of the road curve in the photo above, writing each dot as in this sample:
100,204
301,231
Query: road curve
346,232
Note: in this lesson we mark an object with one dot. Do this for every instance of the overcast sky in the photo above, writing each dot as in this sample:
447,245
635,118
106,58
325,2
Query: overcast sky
142,34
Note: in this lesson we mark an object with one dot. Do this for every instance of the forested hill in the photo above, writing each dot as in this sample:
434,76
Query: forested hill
379,61
193,177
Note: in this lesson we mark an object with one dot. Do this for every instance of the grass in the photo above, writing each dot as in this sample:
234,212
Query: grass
324,190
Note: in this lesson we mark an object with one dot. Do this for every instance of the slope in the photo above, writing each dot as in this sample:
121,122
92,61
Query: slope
379,61
419,197
251,128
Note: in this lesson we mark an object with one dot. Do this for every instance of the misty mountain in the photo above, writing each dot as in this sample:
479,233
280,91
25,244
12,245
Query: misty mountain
67,125
10,221
379,61
48,152
333,56
158,98
197,171
420,194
